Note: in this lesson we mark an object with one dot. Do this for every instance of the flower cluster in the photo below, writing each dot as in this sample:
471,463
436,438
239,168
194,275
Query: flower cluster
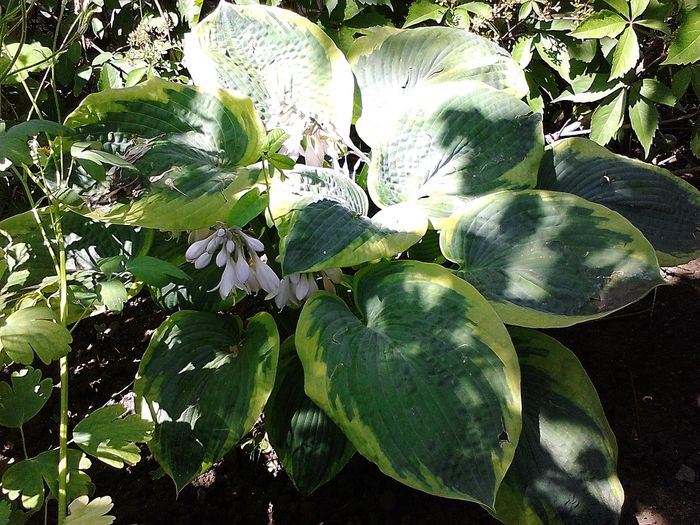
237,253
296,288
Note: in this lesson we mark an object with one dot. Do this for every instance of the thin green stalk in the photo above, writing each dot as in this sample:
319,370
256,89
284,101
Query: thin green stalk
24,442
63,374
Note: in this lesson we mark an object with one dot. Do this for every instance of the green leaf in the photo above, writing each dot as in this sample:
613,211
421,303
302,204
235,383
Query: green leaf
154,271
657,91
564,469
681,81
620,6
548,259
644,119
275,57
190,10
665,208
32,331
29,59
274,140
26,479
423,10
456,140
589,88
188,145
656,25
695,140
685,48
600,24
607,118
13,143
81,511
113,294
327,234
427,355
204,383
311,448
390,73
637,7
24,399
247,208
5,512
554,52
110,78
522,50
626,54
105,435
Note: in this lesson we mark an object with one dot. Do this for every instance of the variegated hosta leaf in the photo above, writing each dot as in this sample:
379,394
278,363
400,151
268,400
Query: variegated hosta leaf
188,145
394,67
564,469
426,385
304,185
328,234
204,382
548,259
455,141
309,445
665,208
273,56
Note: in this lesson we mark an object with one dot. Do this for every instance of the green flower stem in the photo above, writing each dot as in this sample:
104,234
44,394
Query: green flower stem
63,372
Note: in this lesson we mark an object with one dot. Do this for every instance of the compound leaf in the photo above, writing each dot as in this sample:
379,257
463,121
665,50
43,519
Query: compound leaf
24,399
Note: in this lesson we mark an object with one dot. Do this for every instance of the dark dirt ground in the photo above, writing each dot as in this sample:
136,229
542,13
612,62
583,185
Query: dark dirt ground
644,362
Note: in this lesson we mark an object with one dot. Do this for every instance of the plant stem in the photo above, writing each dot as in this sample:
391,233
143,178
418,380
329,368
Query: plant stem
63,372
24,442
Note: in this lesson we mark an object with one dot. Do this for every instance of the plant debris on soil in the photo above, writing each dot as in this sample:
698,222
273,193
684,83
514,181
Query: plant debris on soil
643,360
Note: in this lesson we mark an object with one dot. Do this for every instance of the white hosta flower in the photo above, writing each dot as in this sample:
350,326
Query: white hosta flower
237,253
297,287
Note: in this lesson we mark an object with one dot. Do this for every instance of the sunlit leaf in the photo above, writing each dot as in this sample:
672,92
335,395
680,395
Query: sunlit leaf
25,398
105,435
34,331
685,48
607,118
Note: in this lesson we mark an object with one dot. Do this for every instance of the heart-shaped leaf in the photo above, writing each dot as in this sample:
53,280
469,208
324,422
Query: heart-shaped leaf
391,71
455,141
22,401
564,469
548,259
279,59
665,208
309,445
424,385
32,331
188,145
106,436
204,382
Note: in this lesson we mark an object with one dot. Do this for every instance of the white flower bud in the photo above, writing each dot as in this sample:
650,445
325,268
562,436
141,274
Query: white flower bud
222,257
196,249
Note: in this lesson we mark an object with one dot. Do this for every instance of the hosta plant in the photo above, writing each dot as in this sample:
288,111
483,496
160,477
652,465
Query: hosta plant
394,288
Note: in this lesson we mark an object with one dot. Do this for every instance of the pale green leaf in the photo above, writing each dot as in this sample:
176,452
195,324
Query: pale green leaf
277,58
454,141
105,435
427,354
25,398
644,119
549,259
601,24
189,10
113,294
685,48
422,10
391,72
637,7
564,470
82,511
30,57
589,88
554,52
664,207
626,53
621,6
607,118
32,331
656,25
